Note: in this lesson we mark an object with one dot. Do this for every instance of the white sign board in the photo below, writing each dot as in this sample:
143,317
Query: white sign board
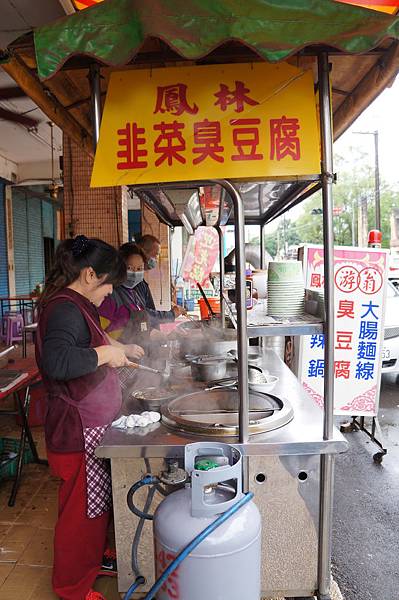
360,289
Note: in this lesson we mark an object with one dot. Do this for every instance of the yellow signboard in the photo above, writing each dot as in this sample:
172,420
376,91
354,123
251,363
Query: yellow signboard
238,121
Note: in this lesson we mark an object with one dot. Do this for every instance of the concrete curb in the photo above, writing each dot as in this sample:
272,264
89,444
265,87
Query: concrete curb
335,593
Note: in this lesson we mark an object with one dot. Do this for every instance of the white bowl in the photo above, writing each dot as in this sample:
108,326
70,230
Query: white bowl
264,387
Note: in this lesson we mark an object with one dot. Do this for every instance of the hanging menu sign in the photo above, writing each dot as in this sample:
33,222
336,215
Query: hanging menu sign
201,122
360,289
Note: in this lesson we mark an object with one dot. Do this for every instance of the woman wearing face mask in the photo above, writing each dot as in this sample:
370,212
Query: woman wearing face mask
78,366
123,315
151,248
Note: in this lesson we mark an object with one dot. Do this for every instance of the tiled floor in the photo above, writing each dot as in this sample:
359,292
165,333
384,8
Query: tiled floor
26,530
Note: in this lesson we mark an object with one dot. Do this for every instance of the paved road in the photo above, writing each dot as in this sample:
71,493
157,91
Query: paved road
366,516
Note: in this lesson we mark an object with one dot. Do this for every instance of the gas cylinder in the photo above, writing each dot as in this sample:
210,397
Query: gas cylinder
225,565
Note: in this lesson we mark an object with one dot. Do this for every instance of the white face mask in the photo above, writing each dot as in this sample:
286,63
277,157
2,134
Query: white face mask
151,263
133,278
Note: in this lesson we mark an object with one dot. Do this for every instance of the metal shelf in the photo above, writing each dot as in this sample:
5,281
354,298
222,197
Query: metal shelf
291,328
261,325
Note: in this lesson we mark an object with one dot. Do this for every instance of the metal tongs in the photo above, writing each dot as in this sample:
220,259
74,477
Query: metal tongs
134,365
163,374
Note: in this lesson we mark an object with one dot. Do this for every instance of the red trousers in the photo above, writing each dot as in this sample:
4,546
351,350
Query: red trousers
79,542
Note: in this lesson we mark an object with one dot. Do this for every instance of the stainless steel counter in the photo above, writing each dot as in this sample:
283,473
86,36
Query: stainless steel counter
302,436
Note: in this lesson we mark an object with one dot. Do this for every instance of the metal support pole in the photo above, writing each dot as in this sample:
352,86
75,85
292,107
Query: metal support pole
262,246
221,265
377,184
262,340
327,460
242,344
95,88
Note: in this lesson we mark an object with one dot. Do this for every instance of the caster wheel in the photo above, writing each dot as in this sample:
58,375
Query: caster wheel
347,428
378,457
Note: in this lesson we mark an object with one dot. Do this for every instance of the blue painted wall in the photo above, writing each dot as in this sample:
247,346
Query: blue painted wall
33,219
3,243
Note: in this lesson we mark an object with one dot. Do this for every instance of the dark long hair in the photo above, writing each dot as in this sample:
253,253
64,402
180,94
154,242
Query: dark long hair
73,255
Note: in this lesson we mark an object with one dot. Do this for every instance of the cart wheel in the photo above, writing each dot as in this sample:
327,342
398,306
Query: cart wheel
378,457
347,427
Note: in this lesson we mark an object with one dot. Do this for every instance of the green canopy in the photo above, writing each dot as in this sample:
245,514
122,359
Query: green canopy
113,31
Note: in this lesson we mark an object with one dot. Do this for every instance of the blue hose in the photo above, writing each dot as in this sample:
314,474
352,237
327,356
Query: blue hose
139,581
194,543
147,480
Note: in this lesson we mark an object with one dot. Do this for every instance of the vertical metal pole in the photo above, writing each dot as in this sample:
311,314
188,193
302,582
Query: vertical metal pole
327,460
262,246
221,266
262,340
95,89
242,346
377,184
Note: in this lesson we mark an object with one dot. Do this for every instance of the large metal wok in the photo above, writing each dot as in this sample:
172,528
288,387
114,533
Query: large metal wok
215,412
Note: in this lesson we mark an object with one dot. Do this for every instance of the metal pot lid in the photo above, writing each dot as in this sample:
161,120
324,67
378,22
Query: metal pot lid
215,412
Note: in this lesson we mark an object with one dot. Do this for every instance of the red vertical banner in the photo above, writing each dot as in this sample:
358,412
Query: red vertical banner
201,254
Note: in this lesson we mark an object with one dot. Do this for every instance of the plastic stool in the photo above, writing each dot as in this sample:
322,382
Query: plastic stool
3,332
14,328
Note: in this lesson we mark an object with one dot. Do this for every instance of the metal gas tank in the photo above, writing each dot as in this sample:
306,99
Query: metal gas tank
225,565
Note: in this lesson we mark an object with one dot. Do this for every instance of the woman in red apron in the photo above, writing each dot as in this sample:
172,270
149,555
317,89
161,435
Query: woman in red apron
78,364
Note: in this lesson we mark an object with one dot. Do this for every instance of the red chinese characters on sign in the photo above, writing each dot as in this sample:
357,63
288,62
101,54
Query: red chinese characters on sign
284,140
246,139
173,99
207,138
346,308
170,142
370,280
316,280
238,97
130,138
346,279
171,145
344,340
342,369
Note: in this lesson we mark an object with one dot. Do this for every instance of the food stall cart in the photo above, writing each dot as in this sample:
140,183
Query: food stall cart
289,459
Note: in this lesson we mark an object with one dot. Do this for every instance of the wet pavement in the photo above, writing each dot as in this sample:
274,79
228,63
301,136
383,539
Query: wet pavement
366,512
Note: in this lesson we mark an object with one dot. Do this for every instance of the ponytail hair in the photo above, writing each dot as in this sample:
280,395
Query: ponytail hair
73,255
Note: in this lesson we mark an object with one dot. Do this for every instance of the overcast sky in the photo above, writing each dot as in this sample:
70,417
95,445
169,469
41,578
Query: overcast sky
381,115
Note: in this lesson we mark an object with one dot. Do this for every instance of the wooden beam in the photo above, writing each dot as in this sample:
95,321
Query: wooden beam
31,85
373,83
13,117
